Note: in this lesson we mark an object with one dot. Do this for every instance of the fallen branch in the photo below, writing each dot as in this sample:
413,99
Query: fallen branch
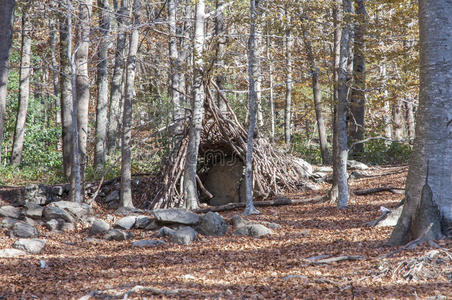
394,190
336,259
137,289
203,188
276,202
380,218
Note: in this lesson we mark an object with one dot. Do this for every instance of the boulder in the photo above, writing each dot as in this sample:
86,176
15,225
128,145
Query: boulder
10,212
142,222
176,216
23,230
125,223
37,193
238,221
11,252
356,165
113,196
80,210
8,223
166,231
212,224
56,225
33,246
128,211
33,210
302,167
184,236
253,230
392,218
152,226
224,181
99,226
117,235
52,212
271,225
147,243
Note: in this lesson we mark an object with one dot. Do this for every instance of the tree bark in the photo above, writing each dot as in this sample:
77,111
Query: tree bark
6,35
53,27
410,120
431,161
126,173
114,111
397,120
358,95
190,186
24,88
102,86
289,86
250,209
82,82
220,33
258,75
270,82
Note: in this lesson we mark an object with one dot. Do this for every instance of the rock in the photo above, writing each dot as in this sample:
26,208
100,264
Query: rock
152,226
32,222
11,252
176,215
253,230
80,210
58,190
117,235
302,167
56,225
224,181
238,221
33,210
147,243
142,222
356,165
10,212
165,231
324,169
310,186
8,223
33,246
356,175
212,224
271,225
392,218
184,236
99,226
125,223
38,194
52,212
113,196
23,230
128,211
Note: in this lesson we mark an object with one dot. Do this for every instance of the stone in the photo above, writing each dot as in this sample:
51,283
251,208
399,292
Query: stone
142,222
166,231
302,167
212,224
238,221
128,211
52,212
23,230
392,218
33,246
56,225
58,190
152,226
37,193
79,210
11,252
99,226
125,223
117,235
33,222
253,230
8,223
356,165
224,181
356,175
10,212
33,210
184,236
113,196
324,169
176,215
147,243
271,225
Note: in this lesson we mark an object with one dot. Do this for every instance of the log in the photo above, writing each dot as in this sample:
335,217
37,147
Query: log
394,190
276,202
336,259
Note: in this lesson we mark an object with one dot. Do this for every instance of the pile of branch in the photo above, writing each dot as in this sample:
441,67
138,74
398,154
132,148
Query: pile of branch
273,172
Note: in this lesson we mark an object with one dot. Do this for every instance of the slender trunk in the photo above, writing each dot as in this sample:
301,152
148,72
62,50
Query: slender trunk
340,163
250,209
102,86
289,85
66,92
397,120
386,106
190,187
270,82
358,96
114,112
221,44
410,120
52,41
6,35
24,88
126,173
258,75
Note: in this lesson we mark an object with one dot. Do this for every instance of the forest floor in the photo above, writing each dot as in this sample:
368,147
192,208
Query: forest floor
282,265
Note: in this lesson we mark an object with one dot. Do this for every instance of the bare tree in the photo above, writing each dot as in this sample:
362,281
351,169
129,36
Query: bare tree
289,83
24,87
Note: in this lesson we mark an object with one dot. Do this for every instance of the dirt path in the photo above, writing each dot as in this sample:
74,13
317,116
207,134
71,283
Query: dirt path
277,266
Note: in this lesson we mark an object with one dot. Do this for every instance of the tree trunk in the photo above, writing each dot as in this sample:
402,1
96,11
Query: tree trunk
358,95
102,86
114,111
410,120
220,33
397,120
258,75
289,85
250,209
126,174
340,161
52,41
82,83
66,92
270,82
190,187
24,88
428,202
6,35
